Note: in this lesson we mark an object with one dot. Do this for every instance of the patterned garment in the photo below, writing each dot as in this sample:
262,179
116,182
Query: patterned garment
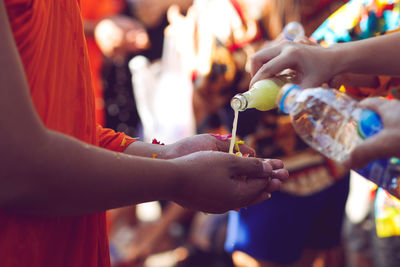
361,19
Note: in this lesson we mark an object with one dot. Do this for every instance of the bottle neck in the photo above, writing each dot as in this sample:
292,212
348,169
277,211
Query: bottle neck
262,95
287,97
239,102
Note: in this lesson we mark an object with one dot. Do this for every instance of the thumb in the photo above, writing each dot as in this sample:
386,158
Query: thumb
273,67
252,168
259,193
253,191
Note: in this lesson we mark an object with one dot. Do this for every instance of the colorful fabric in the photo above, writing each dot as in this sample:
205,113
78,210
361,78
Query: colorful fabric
361,19
387,214
49,37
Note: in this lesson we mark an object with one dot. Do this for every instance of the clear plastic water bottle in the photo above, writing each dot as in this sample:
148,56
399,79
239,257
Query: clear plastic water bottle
333,123
292,30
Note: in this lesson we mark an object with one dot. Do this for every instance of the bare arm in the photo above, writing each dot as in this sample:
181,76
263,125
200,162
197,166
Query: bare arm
183,147
376,56
316,65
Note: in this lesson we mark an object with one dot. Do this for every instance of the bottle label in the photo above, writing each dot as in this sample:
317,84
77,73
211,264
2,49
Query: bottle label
369,124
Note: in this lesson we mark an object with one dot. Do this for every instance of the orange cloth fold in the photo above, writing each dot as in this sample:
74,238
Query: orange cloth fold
111,140
50,39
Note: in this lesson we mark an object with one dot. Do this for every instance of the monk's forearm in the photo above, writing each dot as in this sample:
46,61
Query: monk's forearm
63,176
148,150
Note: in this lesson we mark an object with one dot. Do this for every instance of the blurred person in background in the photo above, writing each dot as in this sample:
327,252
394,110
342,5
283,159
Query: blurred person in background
356,21
302,222
117,35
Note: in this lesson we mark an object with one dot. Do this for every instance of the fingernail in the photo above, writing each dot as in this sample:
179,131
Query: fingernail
267,168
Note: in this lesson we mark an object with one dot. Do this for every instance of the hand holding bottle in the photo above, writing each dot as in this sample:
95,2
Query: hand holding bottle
386,143
313,63
317,65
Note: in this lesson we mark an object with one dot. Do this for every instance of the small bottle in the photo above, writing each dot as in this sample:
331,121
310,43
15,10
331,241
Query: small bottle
333,123
292,30
262,95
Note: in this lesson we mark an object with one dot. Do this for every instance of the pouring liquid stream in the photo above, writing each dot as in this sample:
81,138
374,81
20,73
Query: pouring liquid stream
234,128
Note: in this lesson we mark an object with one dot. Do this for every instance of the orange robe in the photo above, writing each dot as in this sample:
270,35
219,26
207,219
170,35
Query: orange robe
50,39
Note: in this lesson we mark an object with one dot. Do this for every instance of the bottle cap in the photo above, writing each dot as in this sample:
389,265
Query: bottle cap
370,124
283,95
239,102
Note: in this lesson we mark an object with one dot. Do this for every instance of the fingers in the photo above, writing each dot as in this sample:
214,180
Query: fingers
304,40
273,185
310,81
245,149
275,163
376,147
376,104
273,67
263,56
258,193
277,169
260,198
223,144
253,191
252,168
261,178
280,174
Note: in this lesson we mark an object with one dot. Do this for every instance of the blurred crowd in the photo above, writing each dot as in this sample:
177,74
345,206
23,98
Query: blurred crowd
167,69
